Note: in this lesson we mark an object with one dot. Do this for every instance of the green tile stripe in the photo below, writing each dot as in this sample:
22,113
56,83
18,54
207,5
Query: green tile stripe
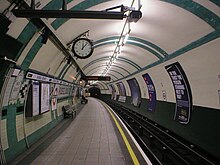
31,54
111,75
210,37
121,68
52,113
55,4
106,74
40,132
64,73
25,36
81,6
146,48
206,15
15,150
20,146
77,75
96,43
93,69
193,7
189,5
112,66
102,84
64,68
11,125
163,115
150,46
29,30
122,59
51,137
203,14
106,58
134,44
112,70
103,69
217,2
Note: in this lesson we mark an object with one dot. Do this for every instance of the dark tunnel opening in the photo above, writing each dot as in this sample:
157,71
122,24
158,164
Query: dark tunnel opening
95,92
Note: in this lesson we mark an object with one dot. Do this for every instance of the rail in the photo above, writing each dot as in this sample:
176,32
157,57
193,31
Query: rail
166,146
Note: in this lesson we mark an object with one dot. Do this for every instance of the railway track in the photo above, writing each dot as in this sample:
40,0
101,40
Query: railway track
159,144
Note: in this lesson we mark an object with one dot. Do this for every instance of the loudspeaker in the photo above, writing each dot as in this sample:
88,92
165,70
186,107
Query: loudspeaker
134,16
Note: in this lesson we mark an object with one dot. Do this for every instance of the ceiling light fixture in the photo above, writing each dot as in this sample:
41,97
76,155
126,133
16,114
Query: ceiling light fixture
133,16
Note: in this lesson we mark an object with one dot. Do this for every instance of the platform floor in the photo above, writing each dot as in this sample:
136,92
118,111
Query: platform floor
92,138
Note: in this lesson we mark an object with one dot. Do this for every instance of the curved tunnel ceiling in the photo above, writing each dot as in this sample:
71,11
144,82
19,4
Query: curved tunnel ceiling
167,29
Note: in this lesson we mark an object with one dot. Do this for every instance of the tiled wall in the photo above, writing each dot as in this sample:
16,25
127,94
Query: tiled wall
4,137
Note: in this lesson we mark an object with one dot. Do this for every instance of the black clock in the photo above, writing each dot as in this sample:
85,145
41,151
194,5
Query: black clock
82,48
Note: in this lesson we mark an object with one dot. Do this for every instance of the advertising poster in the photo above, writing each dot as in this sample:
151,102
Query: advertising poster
114,95
119,89
45,97
62,91
35,98
16,88
110,89
182,92
151,92
56,89
122,92
135,92
54,104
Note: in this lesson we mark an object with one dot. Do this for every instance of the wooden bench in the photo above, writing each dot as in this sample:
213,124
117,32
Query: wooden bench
68,111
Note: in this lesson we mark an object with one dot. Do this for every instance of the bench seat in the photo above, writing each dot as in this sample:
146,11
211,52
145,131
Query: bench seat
68,111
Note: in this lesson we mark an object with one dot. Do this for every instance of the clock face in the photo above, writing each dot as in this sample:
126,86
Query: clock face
82,48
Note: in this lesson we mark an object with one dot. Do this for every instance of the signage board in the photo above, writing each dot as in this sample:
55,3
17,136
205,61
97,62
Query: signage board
182,92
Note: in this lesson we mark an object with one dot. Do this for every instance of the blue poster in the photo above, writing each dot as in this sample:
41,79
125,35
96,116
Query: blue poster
182,92
135,92
151,92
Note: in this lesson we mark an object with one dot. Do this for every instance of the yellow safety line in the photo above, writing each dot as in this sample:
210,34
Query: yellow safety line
130,150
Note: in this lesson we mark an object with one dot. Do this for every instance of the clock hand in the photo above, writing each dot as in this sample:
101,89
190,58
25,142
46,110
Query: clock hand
84,46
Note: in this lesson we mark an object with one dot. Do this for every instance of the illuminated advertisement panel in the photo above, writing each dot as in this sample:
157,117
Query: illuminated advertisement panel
45,97
135,92
182,92
122,92
35,98
151,92
113,90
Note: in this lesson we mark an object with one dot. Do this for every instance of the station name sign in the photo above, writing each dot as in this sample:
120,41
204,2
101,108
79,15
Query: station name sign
96,78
